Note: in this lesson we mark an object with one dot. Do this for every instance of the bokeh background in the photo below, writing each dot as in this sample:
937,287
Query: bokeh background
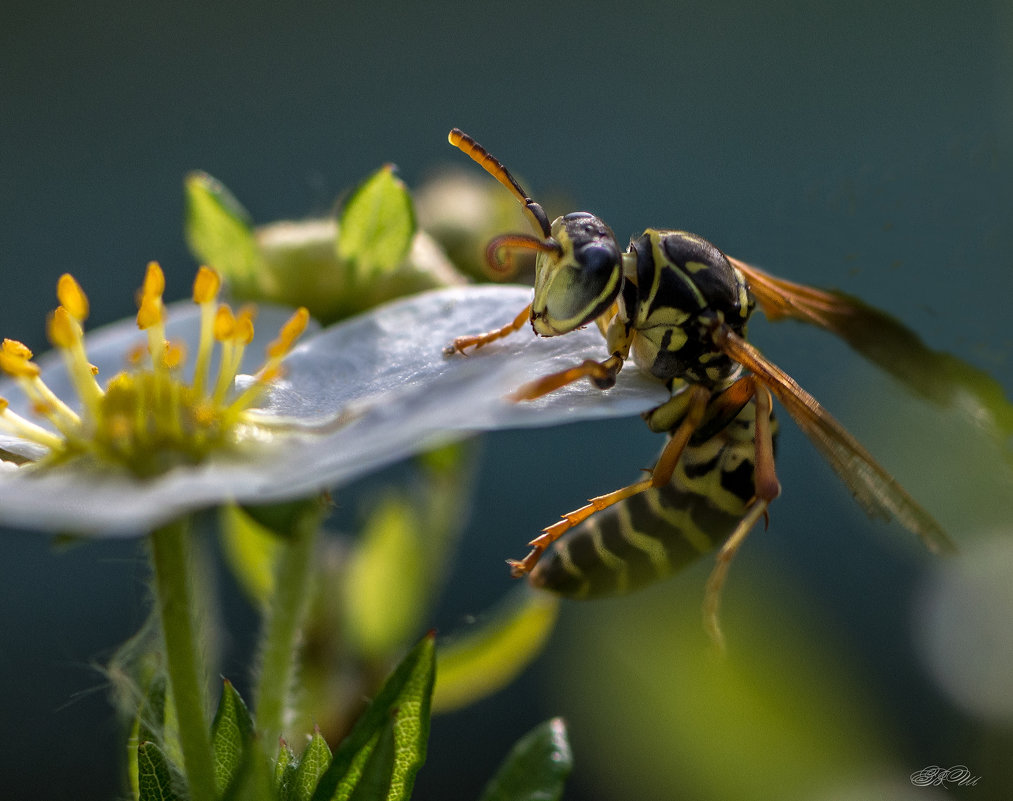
862,145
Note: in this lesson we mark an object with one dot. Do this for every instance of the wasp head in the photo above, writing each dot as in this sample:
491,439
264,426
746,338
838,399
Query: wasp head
578,277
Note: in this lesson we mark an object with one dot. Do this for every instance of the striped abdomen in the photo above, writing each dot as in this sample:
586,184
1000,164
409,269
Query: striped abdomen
651,535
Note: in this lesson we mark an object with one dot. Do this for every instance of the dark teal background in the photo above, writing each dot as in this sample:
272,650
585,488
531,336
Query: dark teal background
863,145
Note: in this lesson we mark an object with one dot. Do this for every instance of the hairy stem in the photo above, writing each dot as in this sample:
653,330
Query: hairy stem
170,556
286,617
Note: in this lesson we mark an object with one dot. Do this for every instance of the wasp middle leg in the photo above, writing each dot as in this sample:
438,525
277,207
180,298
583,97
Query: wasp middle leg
660,475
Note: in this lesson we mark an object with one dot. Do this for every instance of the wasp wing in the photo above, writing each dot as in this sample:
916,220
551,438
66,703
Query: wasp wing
939,377
873,487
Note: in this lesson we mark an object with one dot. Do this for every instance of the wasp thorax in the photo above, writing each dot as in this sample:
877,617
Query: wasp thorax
578,280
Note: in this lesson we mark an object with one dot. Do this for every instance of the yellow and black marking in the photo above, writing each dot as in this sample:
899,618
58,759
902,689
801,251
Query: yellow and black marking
679,306
655,533
685,285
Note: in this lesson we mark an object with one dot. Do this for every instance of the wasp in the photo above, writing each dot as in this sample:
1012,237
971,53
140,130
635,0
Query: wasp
679,307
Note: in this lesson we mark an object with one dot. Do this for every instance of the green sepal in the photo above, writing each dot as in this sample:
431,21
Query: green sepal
283,518
377,225
536,768
488,657
252,551
387,584
315,760
157,780
219,230
402,703
231,736
284,771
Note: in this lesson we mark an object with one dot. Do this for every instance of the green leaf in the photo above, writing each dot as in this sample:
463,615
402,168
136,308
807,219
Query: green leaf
487,658
253,780
154,723
377,225
375,780
231,736
156,779
387,583
536,767
218,230
312,765
405,699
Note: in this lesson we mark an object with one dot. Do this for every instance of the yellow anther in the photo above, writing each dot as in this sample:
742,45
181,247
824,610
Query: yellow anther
205,414
136,354
17,366
4,403
72,297
289,333
173,355
18,349
119,382
270,373
206,285
225,323
43,408
150,312
154,280
243,333
62,328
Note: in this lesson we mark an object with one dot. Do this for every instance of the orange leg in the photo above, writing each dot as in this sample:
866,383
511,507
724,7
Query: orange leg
767,488
602,375
478,340
660,475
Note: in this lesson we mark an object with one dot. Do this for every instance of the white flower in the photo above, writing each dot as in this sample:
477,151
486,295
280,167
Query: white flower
347,400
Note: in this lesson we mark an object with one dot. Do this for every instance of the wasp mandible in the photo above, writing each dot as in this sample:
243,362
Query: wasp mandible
679,306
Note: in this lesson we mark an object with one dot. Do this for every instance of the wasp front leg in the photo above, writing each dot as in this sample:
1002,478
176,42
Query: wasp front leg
618,338
602,375
460,344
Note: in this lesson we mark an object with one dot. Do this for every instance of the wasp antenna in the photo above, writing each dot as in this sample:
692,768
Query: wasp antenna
504,268
495,168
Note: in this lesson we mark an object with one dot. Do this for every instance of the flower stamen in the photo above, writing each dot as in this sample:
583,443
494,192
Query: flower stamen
16,361
15,424
205,294
66,334
151,310
148,418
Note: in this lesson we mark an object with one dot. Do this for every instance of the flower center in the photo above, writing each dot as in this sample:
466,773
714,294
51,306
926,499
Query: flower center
149,418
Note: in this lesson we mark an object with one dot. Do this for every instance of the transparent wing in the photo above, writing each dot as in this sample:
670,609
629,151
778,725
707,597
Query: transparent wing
936,376
873,487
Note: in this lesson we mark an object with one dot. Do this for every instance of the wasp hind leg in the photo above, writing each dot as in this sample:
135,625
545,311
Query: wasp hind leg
766,488
460,344
660,475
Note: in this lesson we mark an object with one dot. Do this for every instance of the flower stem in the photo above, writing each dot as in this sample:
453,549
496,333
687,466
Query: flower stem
174,589
286,616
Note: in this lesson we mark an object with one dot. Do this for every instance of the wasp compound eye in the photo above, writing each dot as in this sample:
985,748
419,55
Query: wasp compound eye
597,263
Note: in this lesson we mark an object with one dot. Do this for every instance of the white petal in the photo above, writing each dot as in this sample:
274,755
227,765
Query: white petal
388,367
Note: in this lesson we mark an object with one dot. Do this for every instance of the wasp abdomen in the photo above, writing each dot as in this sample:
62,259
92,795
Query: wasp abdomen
655,533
